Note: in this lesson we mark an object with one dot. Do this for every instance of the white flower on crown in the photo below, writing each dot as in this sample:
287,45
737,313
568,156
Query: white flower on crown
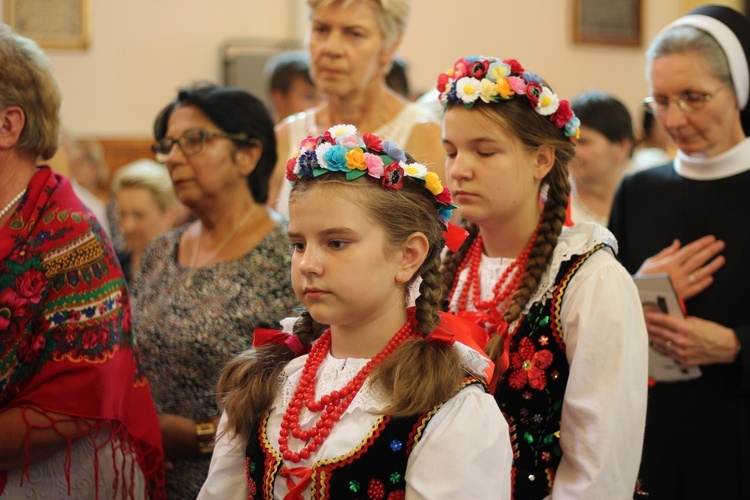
548,102
320,153
414,169
338,130
467,89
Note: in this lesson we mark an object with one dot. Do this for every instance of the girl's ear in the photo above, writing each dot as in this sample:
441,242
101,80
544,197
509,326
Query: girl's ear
545,160
413,254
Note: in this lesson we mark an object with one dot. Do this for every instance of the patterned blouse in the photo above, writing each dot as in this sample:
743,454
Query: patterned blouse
187,335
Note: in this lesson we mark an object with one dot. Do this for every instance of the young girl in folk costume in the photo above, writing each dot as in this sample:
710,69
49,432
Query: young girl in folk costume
389,402
567,329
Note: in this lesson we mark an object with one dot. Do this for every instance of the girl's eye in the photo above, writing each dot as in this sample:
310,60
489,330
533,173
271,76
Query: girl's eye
298,247
337,244
485,154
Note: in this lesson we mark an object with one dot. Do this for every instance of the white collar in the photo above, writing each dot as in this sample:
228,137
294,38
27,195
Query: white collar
732,162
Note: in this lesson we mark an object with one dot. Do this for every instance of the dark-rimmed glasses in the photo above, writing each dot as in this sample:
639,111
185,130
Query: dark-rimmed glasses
689,102
190,143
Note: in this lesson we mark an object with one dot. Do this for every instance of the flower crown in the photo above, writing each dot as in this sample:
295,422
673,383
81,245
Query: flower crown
493,80
341,149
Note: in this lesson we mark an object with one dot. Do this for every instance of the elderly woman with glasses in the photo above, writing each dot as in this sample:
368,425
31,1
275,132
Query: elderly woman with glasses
690,219
203,288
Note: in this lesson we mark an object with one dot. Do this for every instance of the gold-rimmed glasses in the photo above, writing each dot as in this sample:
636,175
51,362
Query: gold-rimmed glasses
689,102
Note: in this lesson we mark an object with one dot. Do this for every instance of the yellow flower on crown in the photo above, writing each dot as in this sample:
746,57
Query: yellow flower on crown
355,159
503,88
432,183
487,90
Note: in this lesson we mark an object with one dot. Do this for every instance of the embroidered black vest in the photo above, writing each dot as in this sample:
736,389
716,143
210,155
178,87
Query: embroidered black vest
375,469
531,392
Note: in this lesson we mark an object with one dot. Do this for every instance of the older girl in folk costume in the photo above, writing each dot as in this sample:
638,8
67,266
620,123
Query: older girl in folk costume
567,329
388,398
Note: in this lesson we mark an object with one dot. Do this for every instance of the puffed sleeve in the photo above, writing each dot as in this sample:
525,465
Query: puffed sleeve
465,451
226,475
604,409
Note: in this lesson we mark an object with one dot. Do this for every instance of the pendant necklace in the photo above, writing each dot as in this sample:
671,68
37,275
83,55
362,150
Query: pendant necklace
225,241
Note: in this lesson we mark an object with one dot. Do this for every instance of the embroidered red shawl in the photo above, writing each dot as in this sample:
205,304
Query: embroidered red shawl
65,330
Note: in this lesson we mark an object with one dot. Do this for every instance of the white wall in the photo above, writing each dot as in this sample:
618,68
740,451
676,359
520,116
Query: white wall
141,51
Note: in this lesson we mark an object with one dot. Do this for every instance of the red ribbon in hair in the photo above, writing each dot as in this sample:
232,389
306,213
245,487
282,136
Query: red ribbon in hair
263,336
454,237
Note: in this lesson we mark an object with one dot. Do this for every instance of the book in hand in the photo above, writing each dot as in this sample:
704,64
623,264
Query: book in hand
657,293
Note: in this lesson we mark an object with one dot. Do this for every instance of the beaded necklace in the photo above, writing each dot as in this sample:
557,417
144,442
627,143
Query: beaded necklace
503,290
330,406
11,203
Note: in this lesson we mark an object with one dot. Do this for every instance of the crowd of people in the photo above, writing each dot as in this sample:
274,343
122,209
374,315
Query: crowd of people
348,294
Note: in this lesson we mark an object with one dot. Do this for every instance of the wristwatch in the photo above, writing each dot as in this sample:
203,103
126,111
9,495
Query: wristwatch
206,432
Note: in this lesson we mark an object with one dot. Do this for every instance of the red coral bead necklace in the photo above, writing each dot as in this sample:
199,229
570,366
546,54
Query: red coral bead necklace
330,406
503,290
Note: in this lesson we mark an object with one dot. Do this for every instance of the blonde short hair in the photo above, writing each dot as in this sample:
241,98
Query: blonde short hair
147,174
392,15
27,82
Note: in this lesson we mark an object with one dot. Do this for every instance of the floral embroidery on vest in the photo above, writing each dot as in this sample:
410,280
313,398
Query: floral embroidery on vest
531,393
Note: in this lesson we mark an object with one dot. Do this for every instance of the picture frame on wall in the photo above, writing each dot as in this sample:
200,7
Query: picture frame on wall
608,22
58,24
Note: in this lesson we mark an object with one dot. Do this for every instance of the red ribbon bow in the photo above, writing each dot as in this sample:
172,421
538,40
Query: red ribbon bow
295,490
263,336
454,237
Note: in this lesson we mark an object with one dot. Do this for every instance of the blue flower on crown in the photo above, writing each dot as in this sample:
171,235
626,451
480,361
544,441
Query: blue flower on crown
307,163
336,158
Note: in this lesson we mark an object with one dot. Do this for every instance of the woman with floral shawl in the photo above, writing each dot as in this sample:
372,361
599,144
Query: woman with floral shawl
76,414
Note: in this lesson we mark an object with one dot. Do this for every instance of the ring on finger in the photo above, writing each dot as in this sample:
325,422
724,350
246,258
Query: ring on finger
668,344
691,278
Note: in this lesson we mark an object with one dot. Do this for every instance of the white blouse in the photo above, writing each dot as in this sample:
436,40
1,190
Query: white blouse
465,451
606,345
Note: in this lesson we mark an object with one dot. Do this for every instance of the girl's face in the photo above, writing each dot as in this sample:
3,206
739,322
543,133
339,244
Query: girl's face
343,270
141,218
492,175
346,48
217,170
708,131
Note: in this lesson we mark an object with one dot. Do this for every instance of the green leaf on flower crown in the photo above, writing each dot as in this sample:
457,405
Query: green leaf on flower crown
387,160
319,171
354,174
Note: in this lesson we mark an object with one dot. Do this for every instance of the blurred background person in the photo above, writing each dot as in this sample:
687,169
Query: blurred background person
397,78
351,46
602,155
76,415
290,84
147,207
689,219
202,289
654,147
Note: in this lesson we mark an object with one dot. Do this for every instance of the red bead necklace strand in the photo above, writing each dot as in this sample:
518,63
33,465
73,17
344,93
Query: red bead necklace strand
505,287
330,406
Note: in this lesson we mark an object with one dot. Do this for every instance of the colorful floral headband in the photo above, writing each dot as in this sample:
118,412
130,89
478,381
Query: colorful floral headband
341,149
492,80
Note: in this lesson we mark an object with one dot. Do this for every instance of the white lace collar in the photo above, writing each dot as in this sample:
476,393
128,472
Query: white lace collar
729,163
575,240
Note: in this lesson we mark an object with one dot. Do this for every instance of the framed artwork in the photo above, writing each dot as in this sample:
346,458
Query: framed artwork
53,24
609,22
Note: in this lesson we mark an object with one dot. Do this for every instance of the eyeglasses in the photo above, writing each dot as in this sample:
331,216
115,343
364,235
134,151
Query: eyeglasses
190,143
689,102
